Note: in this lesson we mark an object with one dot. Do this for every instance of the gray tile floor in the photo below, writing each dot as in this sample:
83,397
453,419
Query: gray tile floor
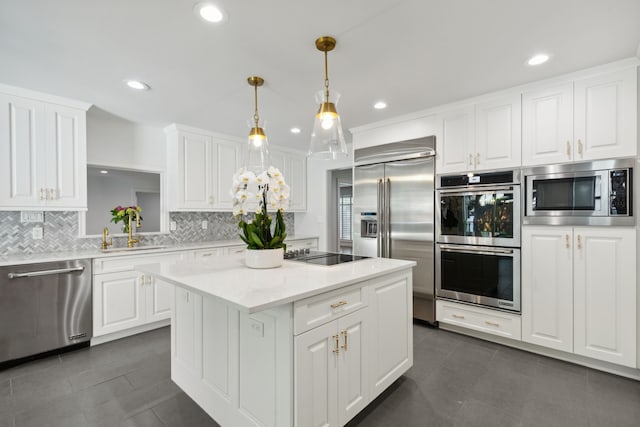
455,381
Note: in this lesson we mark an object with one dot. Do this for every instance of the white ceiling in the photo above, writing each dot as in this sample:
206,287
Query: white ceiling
414,54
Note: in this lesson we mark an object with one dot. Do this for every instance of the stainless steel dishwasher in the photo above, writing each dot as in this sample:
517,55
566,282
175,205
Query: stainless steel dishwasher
44,307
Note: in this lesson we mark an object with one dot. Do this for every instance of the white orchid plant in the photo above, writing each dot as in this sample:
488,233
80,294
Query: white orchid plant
255,193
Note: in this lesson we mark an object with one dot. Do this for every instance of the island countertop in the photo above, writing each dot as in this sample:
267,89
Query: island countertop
253,290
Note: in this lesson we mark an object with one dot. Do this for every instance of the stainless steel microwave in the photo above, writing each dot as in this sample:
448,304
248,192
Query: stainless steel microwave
593,193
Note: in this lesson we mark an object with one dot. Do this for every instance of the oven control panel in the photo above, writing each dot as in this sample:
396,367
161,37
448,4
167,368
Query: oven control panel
620,203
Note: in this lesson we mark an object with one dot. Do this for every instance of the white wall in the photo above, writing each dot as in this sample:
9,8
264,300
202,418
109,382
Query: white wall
317,219
113,141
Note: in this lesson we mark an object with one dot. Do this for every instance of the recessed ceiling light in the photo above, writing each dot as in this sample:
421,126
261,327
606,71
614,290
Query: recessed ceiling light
295,130
104,171
210,12
538,59
137,85
380,105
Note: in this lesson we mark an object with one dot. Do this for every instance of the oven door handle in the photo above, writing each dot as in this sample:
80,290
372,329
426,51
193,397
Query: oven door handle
474,250
466,191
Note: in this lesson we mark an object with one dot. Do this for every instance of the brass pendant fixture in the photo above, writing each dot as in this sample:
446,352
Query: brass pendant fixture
327,138
257,155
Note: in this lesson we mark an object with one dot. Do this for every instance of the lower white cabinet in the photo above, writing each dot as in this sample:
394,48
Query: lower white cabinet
124,298
579,291
330,373
489,321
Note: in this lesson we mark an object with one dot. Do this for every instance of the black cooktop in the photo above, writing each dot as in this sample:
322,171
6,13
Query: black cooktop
321,258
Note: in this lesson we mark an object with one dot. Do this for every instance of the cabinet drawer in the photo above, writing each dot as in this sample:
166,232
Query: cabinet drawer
236,250
480,319
126,263
315,311
208,253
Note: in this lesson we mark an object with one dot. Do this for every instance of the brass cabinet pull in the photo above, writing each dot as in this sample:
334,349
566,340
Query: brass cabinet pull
470,159
566,240
344,334
336,350
492,323
568,148
142,280
457,316
477,159
209,254
579,242
338,304
580,147
41,193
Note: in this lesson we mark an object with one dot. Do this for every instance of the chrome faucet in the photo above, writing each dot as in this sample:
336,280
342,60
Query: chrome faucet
131,240
106,244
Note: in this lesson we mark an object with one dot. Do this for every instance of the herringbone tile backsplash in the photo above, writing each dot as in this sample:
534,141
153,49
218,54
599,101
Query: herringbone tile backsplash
61,232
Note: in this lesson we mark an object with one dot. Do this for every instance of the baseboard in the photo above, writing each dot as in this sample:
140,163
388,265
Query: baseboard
128,332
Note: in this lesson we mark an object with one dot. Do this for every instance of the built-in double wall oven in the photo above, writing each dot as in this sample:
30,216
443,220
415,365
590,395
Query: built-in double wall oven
478,239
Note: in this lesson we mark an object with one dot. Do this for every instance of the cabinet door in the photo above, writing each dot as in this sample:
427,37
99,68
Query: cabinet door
353,393
226,162
186,334
498,133
296,177
22,128
316,376
547,287
118,300
194,172
605,294
158,299
547,125
455,152
65,157
391,337
605,116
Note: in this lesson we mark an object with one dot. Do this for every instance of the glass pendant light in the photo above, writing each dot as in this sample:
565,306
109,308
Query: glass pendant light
257,158
327,138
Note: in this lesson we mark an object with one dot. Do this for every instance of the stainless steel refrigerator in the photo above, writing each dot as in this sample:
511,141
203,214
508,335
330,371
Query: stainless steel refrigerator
393,211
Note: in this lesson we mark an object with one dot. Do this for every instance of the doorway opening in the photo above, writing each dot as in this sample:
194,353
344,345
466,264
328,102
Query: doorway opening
341,198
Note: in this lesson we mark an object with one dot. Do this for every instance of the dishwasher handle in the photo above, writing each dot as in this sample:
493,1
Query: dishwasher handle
44,272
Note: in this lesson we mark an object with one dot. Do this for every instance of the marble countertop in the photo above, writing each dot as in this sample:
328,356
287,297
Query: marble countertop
252,290
18,259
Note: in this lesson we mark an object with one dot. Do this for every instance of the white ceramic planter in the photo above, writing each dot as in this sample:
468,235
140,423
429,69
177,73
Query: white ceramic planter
264,258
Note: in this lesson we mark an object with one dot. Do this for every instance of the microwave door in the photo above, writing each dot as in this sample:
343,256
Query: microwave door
367,199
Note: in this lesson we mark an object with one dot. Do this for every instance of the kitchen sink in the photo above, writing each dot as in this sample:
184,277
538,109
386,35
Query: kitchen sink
134,249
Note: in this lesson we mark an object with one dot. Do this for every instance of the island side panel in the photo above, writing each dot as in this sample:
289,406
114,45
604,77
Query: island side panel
237,367
391,340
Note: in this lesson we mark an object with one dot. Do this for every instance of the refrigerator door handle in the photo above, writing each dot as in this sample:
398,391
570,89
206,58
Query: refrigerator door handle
387,218
380,226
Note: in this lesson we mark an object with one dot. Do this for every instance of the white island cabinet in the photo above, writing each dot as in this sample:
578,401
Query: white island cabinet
301,345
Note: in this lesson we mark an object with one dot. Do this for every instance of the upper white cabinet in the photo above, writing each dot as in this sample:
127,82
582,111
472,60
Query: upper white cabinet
200,167
43,154
483,136
579,291
294,167
587,119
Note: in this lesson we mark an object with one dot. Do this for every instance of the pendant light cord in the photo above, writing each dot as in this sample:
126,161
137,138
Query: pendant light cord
255,114
326,76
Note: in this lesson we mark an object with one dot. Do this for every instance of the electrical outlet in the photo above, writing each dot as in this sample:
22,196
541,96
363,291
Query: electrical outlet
173,226
257,327
37,233
205,224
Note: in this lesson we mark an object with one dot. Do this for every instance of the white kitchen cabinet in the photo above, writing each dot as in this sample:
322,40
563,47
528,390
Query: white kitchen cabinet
294,167
547,287
498,139
331,372
456,149
200,168
605,294
302,244
579,291
483,136
488,321
43,155
124,298
586,119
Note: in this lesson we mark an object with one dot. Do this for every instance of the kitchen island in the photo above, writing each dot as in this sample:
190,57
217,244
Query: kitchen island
301,345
